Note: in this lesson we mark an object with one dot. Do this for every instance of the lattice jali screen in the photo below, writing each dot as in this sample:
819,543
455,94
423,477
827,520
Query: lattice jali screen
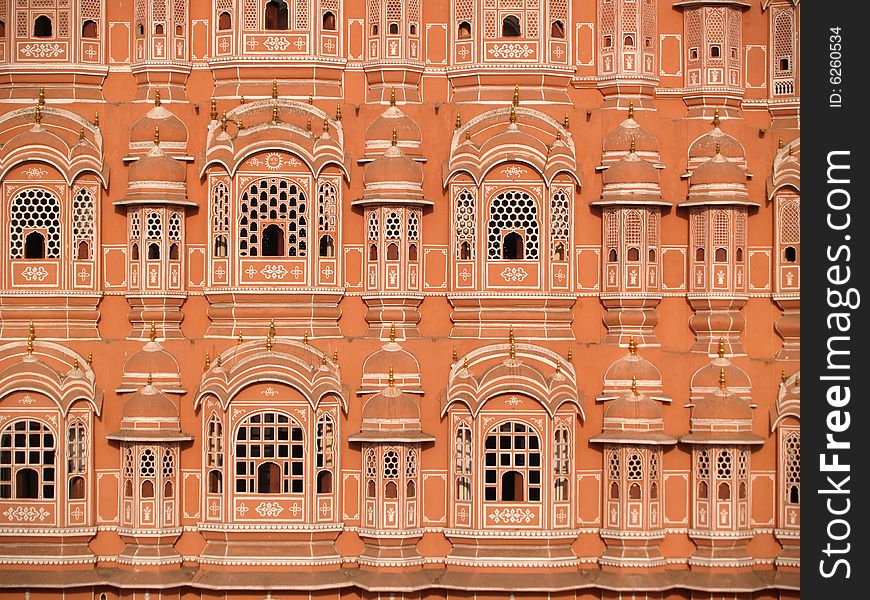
34,209
513,211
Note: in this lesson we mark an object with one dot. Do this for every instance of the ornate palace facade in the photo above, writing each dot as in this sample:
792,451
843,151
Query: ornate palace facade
399,299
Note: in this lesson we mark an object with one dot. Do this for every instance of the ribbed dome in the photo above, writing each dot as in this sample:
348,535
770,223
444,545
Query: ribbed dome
379,133
149,415
393,168
620,374
153,361
722,405
718,170
633,407
705,147
149,403
157,178
173,133
376,368
620,139
390,405
631,169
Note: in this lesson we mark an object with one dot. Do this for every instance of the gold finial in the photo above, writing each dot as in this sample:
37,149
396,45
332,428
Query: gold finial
392,96
240,339
394,137
453,357
150,379
558,136
721,347
558,366
513,350
722,385
325,125
632,346
570,355
783,376
467,135
718,147
465,363
566,123
37,114
207,360
272,328
458,123
634,385
335,356
31,335
268,343
779,144
274,89
242,100
392,376
631,109
310,99
157,97
632,147
96,119
76,363
513,117
323,360
797,381
82,134
90,360
338,113
305,337
716,117
223,121
157,135
218,359
153,336
212,113
516,99
392,332
274,113
308,125
41,100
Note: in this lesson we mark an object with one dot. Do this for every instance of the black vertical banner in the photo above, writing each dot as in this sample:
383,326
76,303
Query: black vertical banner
835,349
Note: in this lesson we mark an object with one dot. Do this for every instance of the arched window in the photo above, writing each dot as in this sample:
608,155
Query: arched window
393,251
220,246
327,247
42,26
77,488
792,468
215,482
391,471
325,456
790,254
373,252
174,252
463,462
510,26
724,491
34,211
557,30
628,41
277,15
27,453
324,482
512,464
465,251
699,255
158,29
269,455
633,254
2,28
715,51
89,29
134,251
225,21
614,473
277,202
561,463
513,246
720,255
329,21
76,459
153,251
371,474
612,256
513,212
140,29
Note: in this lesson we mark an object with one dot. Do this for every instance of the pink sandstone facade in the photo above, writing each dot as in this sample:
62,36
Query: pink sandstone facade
399,299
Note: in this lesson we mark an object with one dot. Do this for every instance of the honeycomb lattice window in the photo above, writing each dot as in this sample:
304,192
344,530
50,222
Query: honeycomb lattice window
302,13
327,212
267,202
465,217
129,463
411,464
374,228
792,467
168,463
742,464
147,463
251,15
413,226
720,228
153,226
613,470
34,209
560,217
391,465
371,465
652,229
135,225
724,463
634,470
174,229
513,211
653,465
790,222
703,467
220,222
83,219
699,228
392,227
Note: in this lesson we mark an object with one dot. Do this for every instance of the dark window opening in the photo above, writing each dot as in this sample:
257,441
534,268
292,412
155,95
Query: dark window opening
147,489
557,30
329,21
225,21
173,252
179,30
614,490
34,245
559,252
734,53
324,482
215,482
393,251
513,246
134,252
510,26
412,251
790,254
42,26
268,478
412,29
634,491
720,255
702,490
128,489
794,495
612,256
628,41
647,42
89,29
724,491
783,64
634,254
140,29
327,247
277,15
464,31
653,491
27,483
652,255
77,488
158,29
739,255
370,489
273,241
153,251
373,252
715,51
741,490
464,251
375,29
608,41
84,251
394,29
693,54
411,490
391,490
220,246
512,487
168,489
2,28
700,254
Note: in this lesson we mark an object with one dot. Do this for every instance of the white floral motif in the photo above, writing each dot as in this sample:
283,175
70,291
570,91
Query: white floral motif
511,51
42,50
274,271
35,172
34,273
512,516
26,513
269,509
513,171
514,274
276,43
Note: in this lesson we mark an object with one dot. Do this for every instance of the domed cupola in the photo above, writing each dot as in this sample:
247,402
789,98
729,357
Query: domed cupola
721,416
391,415
173,132
715,142
393,178
617,143
631,180
406,369
154,361
379,133
632,370
705,381
156,178
149,415
634,418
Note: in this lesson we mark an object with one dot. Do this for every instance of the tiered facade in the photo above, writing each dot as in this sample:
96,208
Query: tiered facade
400,299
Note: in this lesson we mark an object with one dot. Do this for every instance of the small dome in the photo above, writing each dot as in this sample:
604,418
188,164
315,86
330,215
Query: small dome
633,407
706,379
149,403
718,170
389,406
393,168
722,405
154,361
157,178
380,132
619,140
631,169
620,374
173,133
716,142
376,368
